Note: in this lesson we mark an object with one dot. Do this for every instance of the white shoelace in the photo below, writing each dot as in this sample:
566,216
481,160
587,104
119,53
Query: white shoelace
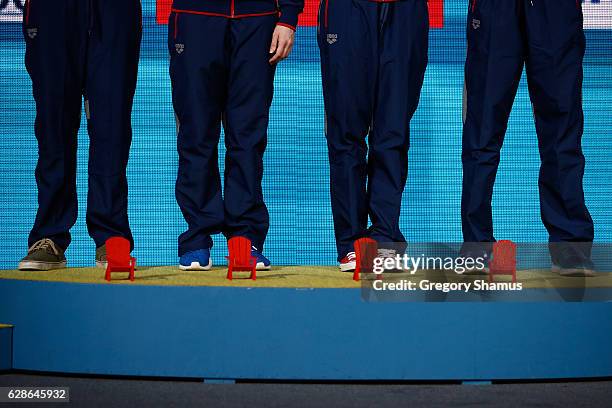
45,244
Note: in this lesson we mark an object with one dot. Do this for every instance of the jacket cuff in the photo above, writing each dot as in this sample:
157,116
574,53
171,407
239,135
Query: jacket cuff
289,17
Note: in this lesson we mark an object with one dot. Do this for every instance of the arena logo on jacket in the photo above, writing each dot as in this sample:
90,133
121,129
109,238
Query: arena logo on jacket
597,14
11,10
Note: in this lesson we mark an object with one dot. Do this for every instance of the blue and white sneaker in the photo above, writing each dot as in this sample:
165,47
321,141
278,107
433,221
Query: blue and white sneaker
196,261
263,263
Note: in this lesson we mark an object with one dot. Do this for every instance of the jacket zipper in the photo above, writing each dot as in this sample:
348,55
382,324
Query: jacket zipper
232,9
326,21
176,25
140,15
474,5
27,12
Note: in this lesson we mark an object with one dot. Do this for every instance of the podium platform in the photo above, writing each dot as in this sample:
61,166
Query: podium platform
290,324
6,347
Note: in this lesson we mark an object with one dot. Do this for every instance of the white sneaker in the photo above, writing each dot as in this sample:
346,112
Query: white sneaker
348,263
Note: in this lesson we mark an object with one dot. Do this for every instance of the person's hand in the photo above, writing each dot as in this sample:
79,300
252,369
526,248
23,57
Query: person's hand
282,43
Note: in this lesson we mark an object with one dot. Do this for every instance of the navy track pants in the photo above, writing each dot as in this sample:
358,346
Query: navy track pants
221,75
547,36
373,59
76,49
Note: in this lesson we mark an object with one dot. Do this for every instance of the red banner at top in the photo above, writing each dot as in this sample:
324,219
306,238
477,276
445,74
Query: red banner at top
309,17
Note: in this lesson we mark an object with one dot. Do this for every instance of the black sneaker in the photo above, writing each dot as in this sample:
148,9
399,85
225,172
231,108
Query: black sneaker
572,259
474,251
101,257
44,255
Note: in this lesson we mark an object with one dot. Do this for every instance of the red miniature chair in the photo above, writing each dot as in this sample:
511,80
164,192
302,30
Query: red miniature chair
366,249
118,257
504,260
240,258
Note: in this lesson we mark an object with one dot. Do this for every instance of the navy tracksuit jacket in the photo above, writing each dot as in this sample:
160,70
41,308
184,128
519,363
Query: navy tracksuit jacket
76,49
221,75
373,58
547,36
286,10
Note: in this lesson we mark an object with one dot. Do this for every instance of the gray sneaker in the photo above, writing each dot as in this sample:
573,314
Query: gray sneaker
101,257
44,255
385,253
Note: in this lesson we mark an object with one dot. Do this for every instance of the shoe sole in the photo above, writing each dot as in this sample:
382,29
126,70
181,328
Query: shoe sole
476,272
40,266
195,266
261,267
573,272
348,267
